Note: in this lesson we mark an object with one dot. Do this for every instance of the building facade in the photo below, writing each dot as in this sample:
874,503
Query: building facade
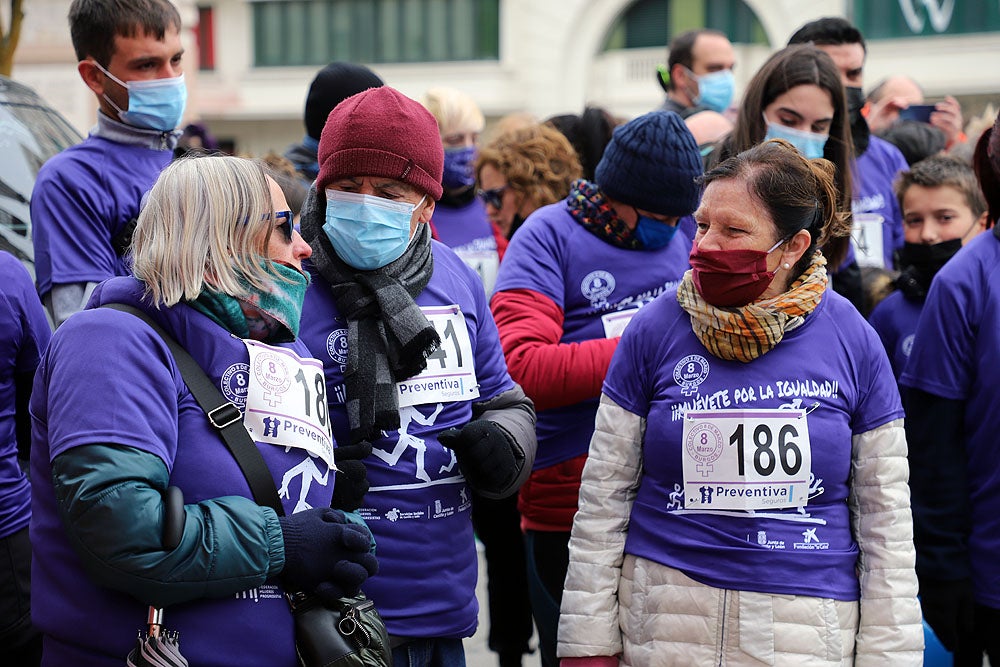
249,62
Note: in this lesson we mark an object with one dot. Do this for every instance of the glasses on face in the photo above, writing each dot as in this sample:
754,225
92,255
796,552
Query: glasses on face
493,197
287,219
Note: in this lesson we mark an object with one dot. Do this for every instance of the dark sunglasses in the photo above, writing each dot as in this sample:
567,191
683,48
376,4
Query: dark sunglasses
493,197
286,225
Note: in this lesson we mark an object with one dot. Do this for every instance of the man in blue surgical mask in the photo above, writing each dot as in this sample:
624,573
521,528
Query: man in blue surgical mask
86,199
699,73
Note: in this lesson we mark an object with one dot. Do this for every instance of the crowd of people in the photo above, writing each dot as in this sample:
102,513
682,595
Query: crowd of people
639,360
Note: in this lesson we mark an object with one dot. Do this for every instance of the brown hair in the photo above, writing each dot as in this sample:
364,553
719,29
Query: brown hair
943,171
798,194
537,161
94,24
790,67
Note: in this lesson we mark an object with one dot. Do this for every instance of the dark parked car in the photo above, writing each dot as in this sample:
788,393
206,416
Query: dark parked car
30,133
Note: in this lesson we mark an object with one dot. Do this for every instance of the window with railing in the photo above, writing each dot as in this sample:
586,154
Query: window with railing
315,32
652,23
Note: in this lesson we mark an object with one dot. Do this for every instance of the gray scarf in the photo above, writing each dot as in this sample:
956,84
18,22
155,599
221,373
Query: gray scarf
388,336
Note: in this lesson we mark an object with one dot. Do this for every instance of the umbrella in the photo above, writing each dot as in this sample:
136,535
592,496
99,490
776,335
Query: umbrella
159,647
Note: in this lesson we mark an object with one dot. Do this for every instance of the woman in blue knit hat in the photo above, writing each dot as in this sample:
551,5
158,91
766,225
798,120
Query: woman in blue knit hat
573,276
745,498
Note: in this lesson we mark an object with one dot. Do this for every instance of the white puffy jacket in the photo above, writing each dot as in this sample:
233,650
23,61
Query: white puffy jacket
654,615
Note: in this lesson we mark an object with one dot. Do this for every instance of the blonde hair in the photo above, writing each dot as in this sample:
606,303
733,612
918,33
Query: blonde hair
453,110
203,225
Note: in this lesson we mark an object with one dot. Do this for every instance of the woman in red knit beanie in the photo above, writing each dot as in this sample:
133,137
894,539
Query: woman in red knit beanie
420,402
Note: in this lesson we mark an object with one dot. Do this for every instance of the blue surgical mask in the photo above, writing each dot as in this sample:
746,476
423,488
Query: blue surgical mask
458,172
810,144
367,232
156,104
654,234
715,90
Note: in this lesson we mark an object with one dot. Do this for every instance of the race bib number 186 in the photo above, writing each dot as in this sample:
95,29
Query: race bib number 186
746,459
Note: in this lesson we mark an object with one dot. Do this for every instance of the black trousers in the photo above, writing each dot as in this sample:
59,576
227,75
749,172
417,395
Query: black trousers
20,643
983,638
498,525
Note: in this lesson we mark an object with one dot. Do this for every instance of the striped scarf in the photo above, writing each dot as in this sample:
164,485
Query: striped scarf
743,334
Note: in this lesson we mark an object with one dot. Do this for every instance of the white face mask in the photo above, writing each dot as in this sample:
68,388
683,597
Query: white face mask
156,104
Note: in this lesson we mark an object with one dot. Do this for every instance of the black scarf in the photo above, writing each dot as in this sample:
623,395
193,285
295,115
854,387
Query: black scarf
388,336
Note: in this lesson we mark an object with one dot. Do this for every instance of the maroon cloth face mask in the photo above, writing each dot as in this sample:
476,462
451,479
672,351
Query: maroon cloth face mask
731,278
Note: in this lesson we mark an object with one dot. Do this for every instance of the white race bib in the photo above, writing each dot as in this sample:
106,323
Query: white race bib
286,401
746,459
615,323
866,237
450,375
484,262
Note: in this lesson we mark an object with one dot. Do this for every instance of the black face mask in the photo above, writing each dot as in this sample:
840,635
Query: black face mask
860,134
515,225
921,263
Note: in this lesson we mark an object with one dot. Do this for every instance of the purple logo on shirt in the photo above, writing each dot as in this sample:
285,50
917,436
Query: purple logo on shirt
234,383
690,372
704,445
336,346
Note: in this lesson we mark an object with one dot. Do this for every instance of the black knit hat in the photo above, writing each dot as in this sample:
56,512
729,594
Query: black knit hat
332,85
651,163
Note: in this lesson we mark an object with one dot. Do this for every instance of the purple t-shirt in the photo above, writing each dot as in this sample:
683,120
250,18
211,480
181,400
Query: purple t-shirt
956,354
895,321
661,370
24,333
81,200
107,378
872,177
593,282
467,231
418,506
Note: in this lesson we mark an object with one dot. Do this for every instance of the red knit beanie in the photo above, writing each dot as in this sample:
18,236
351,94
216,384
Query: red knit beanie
381,132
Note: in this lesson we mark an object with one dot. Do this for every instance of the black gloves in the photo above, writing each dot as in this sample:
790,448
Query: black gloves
324,554
485,453
351,481
949,608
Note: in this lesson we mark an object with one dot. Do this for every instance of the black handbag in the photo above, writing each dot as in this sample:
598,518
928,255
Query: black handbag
349,633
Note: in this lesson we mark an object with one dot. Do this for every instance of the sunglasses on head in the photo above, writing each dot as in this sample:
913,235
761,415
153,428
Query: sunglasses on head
493,197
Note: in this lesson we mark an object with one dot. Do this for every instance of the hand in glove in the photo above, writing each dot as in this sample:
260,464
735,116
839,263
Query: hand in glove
324,554
949,608
485,453
351,481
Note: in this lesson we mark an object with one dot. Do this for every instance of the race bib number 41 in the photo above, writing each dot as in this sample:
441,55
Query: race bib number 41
286,401
451,370
746,459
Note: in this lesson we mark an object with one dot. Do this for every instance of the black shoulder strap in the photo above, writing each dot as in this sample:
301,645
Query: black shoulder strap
222,414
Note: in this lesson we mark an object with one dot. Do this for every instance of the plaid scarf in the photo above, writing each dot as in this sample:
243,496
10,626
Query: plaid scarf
743,334
589,207
388,336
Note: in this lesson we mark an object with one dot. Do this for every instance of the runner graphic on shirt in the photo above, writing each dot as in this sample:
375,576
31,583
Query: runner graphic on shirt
309,473
407,415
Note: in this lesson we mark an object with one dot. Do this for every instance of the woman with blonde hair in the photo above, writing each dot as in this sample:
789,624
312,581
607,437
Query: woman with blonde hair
218,267
522,170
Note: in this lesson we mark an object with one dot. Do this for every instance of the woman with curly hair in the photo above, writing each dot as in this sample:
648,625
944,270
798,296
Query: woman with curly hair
524,169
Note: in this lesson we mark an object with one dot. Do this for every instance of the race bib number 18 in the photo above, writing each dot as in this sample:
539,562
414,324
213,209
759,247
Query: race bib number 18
451,370
286,401
746,459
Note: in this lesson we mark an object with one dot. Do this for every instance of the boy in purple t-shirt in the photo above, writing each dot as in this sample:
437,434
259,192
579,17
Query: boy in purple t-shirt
86,199
943,209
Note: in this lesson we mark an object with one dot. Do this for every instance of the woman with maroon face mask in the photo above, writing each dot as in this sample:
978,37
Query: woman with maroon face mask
748,467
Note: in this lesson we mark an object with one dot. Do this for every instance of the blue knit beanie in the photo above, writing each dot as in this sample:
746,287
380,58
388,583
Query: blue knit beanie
651,163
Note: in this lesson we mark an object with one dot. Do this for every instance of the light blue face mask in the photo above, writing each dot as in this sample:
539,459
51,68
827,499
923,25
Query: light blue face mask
810,144
653,233
367,232
715,90
157,104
